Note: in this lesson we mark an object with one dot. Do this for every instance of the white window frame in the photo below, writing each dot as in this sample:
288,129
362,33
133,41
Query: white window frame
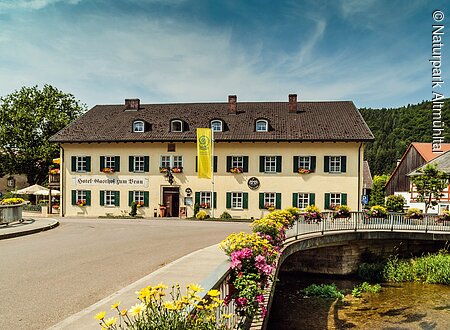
171,160
237,200
214,126
270,199
165,161
258,126
138,164
138,196
172,127
205,198
81,195
270,164
81,164
303,200
304,162
11,183
237,162
110,198
138,126
335,199
177,161
110,162
335,164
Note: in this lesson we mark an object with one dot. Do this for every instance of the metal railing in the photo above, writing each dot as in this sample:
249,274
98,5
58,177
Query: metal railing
359,221
10,213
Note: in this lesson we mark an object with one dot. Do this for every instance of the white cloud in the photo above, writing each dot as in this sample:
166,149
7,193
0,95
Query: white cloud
32,4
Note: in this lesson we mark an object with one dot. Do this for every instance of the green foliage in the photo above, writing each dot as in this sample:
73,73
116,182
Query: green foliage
395,203
430,184
414,213
28,118
225,215
394,130
196,208
377,194
371,271
365,287
324,291
377,211
133,211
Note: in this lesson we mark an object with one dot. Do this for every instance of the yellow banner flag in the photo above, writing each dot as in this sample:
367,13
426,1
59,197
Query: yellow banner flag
204,153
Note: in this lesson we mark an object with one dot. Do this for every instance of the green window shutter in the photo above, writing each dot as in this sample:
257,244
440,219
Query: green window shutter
312,199
215,164
215,200
102,163
146,198
228,163
196,163
88,163
295,167
327,201
117,198
130,197
228,205
116,163
295,199
326,164
74,164
131,163
313,163
197,198
278,201
146,163
102,197
343,164
343,199
245,200
261,201
261,163
88,198
74,197
278,165
245,169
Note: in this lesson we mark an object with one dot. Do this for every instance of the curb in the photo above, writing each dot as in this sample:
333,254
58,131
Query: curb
30,231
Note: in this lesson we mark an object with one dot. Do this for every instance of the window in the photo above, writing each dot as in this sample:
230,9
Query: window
236,200
138,197
303,200
304,162
269,200
172,161
139,162
138,126
335,199
165,161
205,199
81,164
11,182
216,126
178,161
262,125
171,147
176,126
335,164
110,162
110,198
81,196
237,162
270,164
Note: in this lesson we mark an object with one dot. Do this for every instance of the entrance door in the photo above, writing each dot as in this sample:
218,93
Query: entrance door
171,199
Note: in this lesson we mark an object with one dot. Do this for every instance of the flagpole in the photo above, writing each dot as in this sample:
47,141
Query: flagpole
212,173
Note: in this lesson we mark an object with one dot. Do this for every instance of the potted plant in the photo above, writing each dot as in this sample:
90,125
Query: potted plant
312,214
445,216
162,210
163,170
236,170
108,170
304,171
177,170
80,203
204,205
377,211
342,211
414,213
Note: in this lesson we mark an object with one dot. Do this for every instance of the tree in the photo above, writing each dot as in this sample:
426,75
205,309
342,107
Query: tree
377,193
28,118
429,184
395,203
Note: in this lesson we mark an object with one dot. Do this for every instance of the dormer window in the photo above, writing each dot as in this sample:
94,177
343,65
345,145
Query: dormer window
138,126
262,125
176,126
216,126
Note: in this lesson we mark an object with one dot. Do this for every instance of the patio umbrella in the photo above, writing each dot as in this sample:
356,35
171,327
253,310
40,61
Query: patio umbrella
44,192
30,190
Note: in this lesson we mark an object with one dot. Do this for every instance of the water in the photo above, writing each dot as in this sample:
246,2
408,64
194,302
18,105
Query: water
397,306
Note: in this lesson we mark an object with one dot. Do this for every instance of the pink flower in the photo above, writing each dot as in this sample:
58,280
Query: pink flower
260,298
263,311
241,301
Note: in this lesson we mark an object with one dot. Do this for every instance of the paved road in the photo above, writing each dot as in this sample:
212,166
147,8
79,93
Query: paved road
48,276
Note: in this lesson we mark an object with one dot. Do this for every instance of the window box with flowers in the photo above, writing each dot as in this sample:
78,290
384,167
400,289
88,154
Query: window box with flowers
108,170
54,171
269,206
304,171
139,204
445,216
342,211
205,205
177,170
163,170
414,213
376,212
236,170
312,214
81,203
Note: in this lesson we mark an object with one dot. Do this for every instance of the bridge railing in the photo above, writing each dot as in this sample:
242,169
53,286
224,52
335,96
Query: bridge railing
360,221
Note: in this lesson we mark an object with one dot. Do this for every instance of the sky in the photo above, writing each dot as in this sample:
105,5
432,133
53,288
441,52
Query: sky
373,52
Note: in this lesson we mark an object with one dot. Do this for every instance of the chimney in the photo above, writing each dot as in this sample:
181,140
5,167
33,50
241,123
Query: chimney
232,104
292,103
132,104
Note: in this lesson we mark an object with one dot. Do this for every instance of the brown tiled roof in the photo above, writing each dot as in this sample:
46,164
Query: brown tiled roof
367,176
426,150
315,121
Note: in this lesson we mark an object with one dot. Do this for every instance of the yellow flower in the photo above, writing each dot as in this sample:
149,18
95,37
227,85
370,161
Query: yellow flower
115,305
111,321
170,305
195,287
137,309
100,316
160,286
213,293
123,312
227,316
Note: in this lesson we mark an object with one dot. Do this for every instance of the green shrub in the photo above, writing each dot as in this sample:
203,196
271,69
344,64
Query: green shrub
395,203
414,213
365,287
225,215
196,208
202,215
324,291
371,271
133,211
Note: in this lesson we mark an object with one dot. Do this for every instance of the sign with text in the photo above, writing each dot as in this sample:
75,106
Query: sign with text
120,180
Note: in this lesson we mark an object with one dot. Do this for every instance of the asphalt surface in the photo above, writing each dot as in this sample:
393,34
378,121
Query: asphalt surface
48,276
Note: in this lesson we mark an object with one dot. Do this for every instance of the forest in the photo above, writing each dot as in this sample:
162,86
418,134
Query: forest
395,128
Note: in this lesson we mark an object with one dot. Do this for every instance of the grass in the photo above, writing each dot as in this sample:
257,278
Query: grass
324,291
365,287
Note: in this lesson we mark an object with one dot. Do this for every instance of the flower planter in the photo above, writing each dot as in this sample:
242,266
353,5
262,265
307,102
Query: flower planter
177,170
304,171
236,170
108,170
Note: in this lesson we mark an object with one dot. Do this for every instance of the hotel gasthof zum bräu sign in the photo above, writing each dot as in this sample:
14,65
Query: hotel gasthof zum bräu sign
122,181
